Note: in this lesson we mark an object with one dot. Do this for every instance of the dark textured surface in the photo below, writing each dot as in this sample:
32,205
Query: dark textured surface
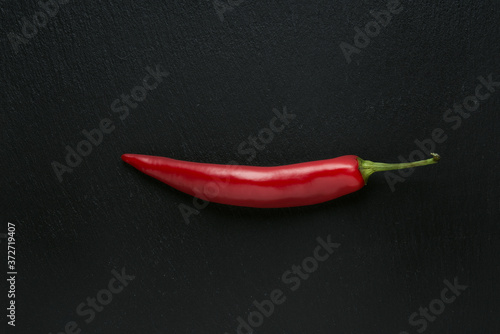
225,78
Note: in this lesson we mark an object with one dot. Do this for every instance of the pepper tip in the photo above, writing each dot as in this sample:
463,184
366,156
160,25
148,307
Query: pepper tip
126,157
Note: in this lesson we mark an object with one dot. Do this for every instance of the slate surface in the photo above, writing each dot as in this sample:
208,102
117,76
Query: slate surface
201,273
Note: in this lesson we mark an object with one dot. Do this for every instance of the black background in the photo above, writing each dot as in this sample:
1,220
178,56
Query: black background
225,78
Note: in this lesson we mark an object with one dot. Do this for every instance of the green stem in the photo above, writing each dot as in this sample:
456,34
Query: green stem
367,167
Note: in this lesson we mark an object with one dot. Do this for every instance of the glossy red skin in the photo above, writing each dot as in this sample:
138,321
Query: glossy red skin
259,187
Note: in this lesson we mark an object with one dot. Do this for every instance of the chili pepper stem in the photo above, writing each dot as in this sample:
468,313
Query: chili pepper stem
367,167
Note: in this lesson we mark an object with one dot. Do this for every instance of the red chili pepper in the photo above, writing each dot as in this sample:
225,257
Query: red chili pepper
266,187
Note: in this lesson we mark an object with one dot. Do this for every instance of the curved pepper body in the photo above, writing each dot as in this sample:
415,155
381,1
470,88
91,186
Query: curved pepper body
260,187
